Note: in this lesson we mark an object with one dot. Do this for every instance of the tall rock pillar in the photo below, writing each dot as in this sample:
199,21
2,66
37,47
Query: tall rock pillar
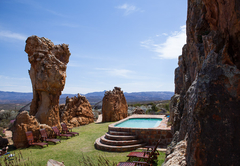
48,75
114,106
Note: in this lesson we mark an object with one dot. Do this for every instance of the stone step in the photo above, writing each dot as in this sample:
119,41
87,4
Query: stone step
111,148
103,140
119,133
120,137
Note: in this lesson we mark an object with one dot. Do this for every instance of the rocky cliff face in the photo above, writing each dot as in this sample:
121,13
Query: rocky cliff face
114,106
205,108
48,75
77,111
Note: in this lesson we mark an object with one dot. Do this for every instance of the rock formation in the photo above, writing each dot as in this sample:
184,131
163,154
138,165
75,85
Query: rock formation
23,123
114,106
138,111
3,142
205,108
77,111
48,74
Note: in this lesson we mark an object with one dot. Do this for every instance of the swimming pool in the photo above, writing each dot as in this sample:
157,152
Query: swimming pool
140,123
149,135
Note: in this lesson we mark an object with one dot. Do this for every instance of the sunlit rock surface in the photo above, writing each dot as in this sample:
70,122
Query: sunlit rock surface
77,111
48,75
114,106
23,123
208,84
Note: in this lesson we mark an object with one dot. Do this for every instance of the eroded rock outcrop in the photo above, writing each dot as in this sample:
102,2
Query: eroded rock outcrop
177,155
48,74
138,111
77,111
23,123
114,106
208,84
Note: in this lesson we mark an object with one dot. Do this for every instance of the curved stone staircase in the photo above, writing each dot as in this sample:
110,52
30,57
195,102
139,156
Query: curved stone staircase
115,141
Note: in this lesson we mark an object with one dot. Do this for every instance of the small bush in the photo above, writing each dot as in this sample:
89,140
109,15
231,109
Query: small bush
137,105
154,108
1,132
6,116
166,106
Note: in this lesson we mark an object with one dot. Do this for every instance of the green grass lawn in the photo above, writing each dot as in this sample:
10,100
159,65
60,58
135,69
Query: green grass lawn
72,150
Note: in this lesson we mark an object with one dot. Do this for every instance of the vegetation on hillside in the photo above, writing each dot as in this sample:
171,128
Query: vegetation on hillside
6,116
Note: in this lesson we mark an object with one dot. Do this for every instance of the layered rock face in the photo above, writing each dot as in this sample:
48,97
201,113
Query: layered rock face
114,106
205,108
77,111
23,123
48,75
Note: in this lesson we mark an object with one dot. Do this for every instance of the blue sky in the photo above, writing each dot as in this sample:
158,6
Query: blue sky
133,44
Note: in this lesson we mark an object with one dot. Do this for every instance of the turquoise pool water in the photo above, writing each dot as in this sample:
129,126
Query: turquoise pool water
140,123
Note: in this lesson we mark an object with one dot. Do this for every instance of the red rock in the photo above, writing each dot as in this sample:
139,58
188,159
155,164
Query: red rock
114,106
77,111
48,75
23,123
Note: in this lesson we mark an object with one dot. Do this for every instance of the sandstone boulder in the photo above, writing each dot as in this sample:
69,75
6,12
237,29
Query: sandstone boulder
23,123
77,111
114,106
209,70
48,75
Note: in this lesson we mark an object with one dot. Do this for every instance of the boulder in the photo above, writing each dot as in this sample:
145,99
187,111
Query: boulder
48,75
138,111
3,142
114,106
206,109
76,111
23,123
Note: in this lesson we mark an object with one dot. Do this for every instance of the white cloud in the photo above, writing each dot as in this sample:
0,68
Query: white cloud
129,9
171,48
12,35
117,72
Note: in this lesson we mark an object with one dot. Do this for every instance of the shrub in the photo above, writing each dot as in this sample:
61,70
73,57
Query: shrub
166,106
6,116
154,108
1,132
137,105
148,111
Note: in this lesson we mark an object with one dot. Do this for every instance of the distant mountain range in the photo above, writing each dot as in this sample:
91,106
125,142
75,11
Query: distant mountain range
17,97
